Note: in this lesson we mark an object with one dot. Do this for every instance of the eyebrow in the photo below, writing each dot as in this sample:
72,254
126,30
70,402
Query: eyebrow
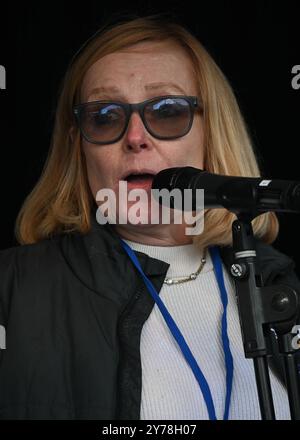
160,85
150,86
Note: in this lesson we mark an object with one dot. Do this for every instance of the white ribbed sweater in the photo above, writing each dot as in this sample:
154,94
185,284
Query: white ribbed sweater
169,388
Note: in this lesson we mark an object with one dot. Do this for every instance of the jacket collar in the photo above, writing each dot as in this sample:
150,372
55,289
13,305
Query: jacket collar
100,252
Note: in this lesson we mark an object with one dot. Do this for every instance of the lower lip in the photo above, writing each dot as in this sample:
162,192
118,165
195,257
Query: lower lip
145,184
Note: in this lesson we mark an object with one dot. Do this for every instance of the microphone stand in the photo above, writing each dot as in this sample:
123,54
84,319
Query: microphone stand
263,310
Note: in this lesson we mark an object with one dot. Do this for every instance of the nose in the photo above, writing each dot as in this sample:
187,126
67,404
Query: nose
136,134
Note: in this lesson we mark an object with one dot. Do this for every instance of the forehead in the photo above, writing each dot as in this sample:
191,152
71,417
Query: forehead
140,65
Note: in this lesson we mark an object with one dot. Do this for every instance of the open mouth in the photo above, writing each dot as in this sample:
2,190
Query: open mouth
136,178
139,180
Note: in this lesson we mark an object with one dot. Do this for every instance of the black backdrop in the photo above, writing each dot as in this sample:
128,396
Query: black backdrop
256,44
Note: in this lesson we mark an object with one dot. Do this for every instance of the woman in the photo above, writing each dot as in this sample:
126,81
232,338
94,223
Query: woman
84,338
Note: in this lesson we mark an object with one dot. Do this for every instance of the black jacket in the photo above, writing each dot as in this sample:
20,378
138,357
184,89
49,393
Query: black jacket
73,308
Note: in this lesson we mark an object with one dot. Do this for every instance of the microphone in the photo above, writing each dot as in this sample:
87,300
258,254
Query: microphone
235,193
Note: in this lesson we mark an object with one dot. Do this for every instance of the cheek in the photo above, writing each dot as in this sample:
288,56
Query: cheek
98,165
189,150
197,143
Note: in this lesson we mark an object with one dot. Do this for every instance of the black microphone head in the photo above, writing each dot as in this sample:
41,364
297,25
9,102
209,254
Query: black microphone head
238,194
169,178
175,181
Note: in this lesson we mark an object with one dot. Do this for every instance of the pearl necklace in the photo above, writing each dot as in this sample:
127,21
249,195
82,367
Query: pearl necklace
192,276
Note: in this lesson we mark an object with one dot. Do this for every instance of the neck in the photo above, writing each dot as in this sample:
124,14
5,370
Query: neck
155,235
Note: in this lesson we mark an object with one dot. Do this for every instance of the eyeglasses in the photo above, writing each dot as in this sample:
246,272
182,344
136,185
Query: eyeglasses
165,117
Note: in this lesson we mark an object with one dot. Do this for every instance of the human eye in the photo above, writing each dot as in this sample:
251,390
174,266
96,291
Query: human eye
169,108
105,115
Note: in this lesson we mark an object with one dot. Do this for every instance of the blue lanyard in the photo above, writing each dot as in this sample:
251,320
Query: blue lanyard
217,262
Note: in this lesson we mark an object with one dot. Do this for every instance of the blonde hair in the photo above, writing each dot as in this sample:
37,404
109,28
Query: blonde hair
62,201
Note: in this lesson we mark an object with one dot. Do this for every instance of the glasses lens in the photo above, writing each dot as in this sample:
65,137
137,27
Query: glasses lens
102,122
168,117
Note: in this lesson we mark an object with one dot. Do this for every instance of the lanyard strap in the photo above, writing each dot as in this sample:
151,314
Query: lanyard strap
180,339
217,262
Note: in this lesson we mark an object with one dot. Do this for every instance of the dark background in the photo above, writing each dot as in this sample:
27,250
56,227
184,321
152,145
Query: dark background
256,44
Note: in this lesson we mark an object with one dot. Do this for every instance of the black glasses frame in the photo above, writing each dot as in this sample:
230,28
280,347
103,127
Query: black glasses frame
140,108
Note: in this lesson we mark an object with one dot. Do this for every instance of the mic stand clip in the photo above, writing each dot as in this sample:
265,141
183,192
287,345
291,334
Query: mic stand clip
264,310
